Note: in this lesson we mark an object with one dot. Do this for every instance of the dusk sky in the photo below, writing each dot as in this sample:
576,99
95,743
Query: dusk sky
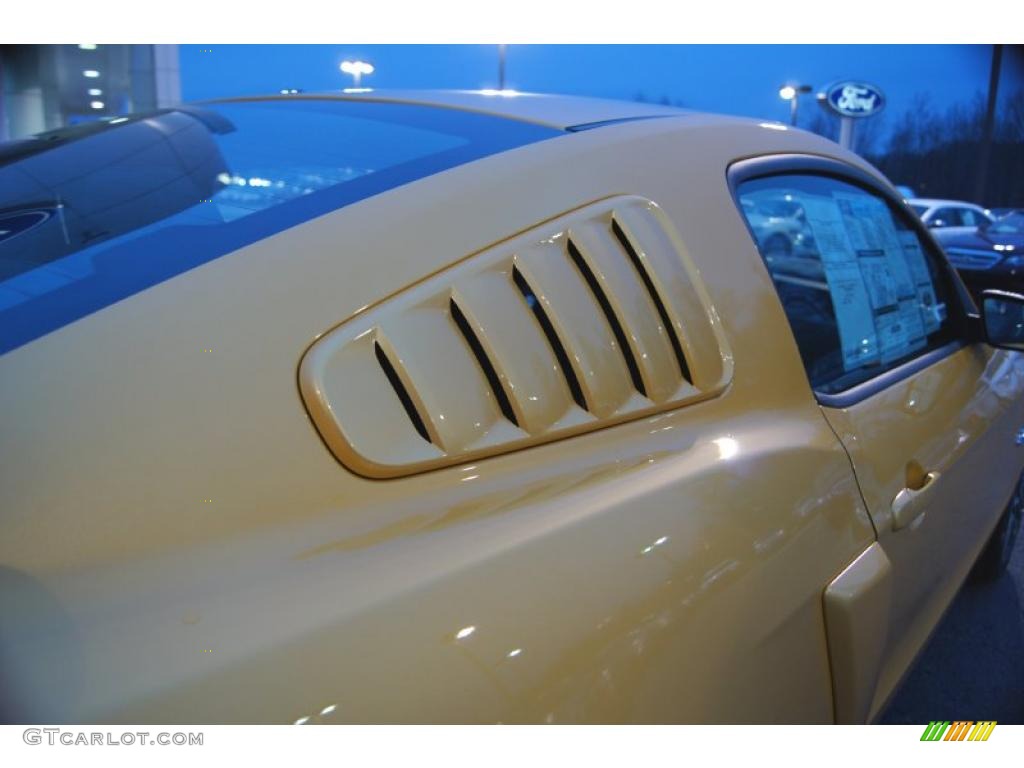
735,79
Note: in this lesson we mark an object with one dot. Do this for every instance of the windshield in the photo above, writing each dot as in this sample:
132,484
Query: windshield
92,214
919,209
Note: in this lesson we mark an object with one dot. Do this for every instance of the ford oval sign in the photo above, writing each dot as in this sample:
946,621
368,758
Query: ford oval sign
851,99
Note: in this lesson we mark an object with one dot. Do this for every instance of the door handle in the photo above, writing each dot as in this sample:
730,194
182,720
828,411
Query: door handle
909,503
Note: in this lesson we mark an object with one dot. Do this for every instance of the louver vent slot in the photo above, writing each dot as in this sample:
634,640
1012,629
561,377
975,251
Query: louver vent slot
634,257
609,313
485,363
556,345
401,391
595,318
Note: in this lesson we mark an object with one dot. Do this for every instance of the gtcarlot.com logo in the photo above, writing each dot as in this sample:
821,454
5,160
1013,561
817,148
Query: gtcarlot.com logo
959,730
54,736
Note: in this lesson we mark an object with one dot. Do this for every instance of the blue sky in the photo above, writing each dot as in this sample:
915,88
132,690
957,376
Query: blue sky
735,79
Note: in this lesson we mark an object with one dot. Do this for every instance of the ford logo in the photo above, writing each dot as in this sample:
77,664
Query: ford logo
851,99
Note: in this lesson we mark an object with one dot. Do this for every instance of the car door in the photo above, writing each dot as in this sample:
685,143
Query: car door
970,217
883,333
957,219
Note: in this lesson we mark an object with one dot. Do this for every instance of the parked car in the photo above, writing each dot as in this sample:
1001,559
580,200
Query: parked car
950,214
780,230
990,257
998,213
451,407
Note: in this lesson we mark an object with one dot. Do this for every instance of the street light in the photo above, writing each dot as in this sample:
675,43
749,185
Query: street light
791,93
501,66
357,69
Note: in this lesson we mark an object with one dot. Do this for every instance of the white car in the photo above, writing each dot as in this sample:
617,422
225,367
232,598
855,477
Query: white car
778,226
949,214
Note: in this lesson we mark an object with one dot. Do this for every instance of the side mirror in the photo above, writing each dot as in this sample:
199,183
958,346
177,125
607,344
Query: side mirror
1003,315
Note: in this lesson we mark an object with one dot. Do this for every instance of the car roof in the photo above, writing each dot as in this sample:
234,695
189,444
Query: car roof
553,111
933,202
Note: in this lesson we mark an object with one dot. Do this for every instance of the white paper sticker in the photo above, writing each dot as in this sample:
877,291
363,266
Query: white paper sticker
850,300
882,291
857,333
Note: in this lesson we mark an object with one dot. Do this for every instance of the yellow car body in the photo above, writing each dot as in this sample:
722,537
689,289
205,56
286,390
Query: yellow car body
212,508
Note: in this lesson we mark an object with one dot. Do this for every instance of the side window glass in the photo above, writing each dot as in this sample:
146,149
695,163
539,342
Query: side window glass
946,217
971,218
861,291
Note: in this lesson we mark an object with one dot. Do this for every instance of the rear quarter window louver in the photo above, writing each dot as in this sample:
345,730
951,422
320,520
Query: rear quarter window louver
591,320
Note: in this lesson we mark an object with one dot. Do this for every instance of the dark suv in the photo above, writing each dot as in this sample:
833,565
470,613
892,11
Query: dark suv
991,256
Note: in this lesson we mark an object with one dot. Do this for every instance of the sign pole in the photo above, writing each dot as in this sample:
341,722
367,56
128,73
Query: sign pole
846,133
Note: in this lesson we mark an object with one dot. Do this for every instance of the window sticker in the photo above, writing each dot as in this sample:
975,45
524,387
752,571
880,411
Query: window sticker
881,288
932,313
876,243
857,333
900,331
879,280
827,225
857,328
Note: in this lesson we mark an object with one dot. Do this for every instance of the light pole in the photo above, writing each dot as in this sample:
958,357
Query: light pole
791,93
501,67
980,182
357,69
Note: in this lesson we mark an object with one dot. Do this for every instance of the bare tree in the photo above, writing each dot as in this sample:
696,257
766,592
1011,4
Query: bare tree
937,152
867,135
